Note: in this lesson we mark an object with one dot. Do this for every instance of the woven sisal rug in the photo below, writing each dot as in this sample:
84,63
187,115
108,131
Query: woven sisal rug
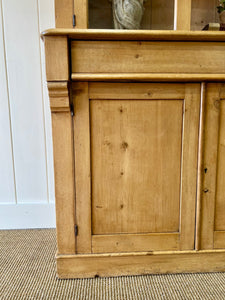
27,271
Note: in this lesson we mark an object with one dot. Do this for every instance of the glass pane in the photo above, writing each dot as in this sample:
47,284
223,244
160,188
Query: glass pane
100,14
158,14
203,13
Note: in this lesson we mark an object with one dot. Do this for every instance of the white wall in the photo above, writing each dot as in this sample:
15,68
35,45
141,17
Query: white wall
26,157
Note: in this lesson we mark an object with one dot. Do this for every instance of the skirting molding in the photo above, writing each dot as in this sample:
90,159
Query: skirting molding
24,216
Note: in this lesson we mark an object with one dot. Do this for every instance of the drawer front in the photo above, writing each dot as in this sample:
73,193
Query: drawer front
147,57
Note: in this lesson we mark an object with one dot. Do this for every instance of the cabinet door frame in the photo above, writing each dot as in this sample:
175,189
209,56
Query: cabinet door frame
209,237
65,9
82,93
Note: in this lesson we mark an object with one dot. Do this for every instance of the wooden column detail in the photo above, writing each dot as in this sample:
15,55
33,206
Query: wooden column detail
57,58
210,154
200,186
62,131
64,13
81,13
182,15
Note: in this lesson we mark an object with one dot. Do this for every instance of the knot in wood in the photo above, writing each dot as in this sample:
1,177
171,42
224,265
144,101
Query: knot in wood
124,145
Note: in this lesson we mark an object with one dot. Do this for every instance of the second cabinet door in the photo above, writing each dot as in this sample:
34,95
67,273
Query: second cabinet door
136,166
213,189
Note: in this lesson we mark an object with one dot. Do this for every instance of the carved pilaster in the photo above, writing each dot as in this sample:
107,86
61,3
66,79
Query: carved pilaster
63,147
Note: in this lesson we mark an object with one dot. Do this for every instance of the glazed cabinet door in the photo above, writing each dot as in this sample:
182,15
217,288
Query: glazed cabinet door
136,150
213,189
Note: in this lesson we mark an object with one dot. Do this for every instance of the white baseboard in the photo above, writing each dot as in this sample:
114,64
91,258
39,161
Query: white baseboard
24,216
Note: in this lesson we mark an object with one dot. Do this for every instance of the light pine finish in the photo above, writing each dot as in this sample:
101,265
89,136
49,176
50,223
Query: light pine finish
136,165
59,96
219,239
62,132
82,166
182,15
220,189
64,181
95,265
147,157
136,91
137,35
146,77
135,242
65,9
200,166
81,12
132,213
64,13
146,57
213,205
57,60
208,194
222,91
189,165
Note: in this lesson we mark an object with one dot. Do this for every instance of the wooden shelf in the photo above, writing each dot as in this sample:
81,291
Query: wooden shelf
135,35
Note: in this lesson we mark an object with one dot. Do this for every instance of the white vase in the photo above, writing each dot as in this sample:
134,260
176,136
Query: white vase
127,14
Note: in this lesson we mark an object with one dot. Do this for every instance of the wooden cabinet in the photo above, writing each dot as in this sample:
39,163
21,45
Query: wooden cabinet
138,122
138,132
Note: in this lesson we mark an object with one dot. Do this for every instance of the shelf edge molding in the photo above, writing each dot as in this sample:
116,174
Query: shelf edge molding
146,77
136,35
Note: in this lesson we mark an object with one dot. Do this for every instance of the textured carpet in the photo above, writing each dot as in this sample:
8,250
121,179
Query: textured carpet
27,271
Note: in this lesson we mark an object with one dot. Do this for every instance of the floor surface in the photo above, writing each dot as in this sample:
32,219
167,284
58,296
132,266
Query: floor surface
27,271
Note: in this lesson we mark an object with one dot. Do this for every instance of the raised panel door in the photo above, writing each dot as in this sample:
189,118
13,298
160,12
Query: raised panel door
135,166
213,191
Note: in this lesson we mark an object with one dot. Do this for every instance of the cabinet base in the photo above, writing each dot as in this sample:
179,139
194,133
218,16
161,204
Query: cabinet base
142,263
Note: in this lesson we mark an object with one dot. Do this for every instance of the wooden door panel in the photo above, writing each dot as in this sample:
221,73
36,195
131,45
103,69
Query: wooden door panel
135,242
213,192
82,167
219,239
136,165
220,194
219,233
